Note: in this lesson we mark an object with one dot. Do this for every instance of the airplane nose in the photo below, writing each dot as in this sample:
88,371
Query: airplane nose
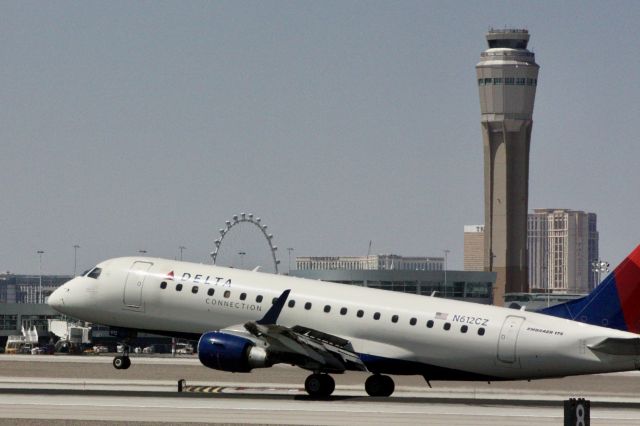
56,299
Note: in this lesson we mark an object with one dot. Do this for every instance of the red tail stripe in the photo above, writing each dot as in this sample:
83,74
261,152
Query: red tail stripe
627,277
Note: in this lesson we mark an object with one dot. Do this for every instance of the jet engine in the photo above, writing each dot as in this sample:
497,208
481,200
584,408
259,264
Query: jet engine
228,352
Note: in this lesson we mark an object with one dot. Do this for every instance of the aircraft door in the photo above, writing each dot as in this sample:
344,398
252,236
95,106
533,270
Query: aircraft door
132,296
508,339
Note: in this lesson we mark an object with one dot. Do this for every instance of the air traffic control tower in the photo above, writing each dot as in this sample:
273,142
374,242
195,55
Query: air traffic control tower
507,79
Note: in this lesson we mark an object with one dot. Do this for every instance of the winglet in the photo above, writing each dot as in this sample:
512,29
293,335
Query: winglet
274,312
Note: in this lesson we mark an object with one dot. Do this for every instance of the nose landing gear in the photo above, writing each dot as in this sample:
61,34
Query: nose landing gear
124,336
122,362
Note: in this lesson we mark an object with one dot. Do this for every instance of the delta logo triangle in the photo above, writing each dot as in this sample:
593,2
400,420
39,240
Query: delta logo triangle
170,276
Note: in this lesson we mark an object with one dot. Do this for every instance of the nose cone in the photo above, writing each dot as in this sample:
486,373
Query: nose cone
56,299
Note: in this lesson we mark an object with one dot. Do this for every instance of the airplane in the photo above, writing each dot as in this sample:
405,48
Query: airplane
246,319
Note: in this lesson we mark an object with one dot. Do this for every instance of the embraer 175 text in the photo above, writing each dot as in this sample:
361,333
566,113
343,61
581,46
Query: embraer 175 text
245,320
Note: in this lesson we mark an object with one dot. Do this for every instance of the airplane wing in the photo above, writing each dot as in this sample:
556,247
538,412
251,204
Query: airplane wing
618,346
302,346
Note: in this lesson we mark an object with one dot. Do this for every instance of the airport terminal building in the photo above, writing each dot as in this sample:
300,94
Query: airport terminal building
425,276
23,302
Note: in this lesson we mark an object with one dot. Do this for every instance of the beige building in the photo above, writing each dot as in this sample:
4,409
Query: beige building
474,248
562,245
507,79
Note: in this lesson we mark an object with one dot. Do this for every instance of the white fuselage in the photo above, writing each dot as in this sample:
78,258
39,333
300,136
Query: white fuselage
477,339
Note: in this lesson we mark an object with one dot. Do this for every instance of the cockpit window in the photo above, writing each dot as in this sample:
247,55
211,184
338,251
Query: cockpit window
95,273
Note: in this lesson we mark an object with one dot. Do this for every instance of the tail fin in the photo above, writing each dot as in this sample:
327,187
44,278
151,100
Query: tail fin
615,303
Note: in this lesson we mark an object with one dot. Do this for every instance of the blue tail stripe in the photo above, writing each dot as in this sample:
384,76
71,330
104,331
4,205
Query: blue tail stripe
602,307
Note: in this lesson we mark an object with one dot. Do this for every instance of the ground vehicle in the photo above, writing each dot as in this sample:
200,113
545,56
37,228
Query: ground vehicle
14,344
184,348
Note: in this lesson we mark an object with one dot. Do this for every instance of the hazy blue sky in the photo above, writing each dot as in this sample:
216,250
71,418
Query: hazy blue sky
146,125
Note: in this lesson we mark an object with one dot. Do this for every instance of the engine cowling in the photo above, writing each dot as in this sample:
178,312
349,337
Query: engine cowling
228,352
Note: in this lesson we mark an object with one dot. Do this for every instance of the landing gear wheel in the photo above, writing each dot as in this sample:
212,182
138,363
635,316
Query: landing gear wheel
121,362
319,385
379,385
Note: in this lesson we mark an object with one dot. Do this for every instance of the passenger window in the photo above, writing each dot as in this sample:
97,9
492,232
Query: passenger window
464,329
394,318
163,285
292,303
430,324
307,306
194,289
327,308
210,292
376,316
273,301
481,332
95,273
243,296
447,325
343,311
360,313
258,299
413,321
227,293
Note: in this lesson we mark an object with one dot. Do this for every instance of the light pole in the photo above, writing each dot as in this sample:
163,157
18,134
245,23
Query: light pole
40,253
598,267
75,258
242,253
290,249
446,254
181,248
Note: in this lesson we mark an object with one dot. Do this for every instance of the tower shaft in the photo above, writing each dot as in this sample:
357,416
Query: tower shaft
507,79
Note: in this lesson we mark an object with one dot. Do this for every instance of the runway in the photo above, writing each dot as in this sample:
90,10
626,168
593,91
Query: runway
64,389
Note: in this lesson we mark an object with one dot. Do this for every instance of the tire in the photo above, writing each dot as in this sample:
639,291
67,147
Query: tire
329,385
127,363
118,362
319,385
379,385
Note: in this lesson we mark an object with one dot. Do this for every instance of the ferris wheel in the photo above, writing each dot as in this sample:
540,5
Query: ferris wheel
243,220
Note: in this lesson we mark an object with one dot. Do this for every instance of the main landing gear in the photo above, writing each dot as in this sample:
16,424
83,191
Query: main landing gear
320,385
379,385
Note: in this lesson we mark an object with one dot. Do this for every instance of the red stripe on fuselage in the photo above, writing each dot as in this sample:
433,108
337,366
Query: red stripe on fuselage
627,277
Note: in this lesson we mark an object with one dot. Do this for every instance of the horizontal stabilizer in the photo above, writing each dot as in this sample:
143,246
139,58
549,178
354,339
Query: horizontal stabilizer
618,346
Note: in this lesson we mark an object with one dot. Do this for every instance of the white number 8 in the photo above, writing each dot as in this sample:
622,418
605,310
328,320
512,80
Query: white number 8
580,415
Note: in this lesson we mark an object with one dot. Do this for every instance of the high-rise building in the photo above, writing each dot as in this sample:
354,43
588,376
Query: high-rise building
474,248
562,246
507,78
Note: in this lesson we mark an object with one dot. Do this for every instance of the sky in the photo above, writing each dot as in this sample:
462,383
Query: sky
128,126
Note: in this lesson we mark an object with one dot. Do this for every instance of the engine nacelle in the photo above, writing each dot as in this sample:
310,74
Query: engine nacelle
228,352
